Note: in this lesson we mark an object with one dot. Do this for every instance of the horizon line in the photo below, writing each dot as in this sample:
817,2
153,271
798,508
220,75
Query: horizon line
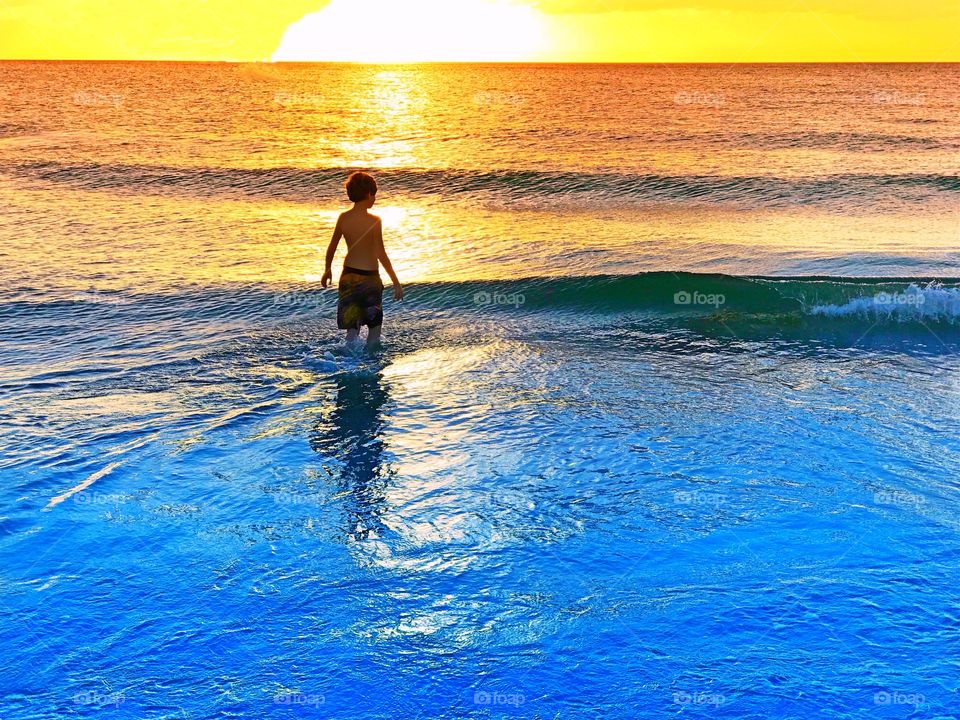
489,62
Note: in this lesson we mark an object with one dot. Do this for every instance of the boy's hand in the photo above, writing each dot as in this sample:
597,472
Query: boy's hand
327,277
398,291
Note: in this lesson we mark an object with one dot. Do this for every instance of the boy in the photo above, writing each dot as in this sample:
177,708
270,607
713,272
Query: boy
361,290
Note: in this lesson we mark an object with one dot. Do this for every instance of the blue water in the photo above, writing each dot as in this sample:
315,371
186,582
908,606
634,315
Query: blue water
599,505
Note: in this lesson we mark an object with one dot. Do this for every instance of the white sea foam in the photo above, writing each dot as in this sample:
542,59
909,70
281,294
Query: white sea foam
931,302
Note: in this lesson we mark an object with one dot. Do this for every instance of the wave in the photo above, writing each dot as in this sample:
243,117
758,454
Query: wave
658,311
313,184
669,296
804,140
913,303
682,293
738,138
847,141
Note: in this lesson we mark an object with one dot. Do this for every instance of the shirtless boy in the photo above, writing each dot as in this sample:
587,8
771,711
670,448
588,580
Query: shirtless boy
360,288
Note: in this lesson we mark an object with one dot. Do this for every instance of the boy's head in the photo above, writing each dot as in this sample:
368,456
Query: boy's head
360,187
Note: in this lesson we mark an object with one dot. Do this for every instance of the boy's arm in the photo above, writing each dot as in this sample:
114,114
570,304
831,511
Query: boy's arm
331,251
387,265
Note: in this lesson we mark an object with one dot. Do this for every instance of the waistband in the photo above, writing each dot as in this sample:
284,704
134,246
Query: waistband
355,271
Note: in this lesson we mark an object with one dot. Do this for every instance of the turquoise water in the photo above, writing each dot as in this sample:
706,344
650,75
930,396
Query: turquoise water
686,449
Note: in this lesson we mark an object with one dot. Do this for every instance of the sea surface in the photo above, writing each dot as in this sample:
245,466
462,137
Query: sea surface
668,423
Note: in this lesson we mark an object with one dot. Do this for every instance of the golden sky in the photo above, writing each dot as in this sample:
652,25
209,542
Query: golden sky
545,30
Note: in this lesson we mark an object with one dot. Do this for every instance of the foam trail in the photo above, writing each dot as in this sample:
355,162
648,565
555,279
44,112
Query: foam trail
915,303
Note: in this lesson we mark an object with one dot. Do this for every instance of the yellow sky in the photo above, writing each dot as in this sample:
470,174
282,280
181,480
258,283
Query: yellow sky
546,30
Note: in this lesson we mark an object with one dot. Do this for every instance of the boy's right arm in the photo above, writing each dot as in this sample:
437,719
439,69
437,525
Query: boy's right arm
331,251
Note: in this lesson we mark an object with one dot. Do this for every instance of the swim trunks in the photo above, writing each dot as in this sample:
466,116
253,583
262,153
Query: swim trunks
361,299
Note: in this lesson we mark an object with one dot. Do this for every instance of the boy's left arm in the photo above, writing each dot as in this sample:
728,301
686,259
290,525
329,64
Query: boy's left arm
387,265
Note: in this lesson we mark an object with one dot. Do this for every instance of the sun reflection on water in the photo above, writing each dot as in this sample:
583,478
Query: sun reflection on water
389,118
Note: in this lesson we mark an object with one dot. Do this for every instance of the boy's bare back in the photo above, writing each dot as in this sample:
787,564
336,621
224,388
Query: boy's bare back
363,235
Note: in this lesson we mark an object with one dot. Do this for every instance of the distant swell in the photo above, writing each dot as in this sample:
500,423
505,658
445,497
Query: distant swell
844,141
310,185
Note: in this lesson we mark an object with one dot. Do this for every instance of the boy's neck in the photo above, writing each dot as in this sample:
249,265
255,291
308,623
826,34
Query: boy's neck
359,207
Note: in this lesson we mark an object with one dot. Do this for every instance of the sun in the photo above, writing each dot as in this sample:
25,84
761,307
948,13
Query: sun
391,31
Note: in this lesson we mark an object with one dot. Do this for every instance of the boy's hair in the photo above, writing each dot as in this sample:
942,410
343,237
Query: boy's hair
359,185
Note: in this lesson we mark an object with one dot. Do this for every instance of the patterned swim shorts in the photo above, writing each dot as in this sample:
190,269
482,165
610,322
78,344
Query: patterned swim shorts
361,299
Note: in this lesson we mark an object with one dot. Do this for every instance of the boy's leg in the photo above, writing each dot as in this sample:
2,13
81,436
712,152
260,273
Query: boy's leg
373,336
352,335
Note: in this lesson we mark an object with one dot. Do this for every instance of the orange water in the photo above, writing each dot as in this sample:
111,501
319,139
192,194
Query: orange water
159,174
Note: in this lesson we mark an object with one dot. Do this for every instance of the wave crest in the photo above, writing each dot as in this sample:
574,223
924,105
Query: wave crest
913,303
530,187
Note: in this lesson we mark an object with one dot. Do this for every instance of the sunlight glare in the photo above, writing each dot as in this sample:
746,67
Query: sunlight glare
386,31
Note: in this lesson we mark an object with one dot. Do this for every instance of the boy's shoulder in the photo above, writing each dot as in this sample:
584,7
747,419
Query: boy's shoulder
352,212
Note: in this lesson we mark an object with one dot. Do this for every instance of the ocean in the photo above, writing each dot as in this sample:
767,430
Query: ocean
667,423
